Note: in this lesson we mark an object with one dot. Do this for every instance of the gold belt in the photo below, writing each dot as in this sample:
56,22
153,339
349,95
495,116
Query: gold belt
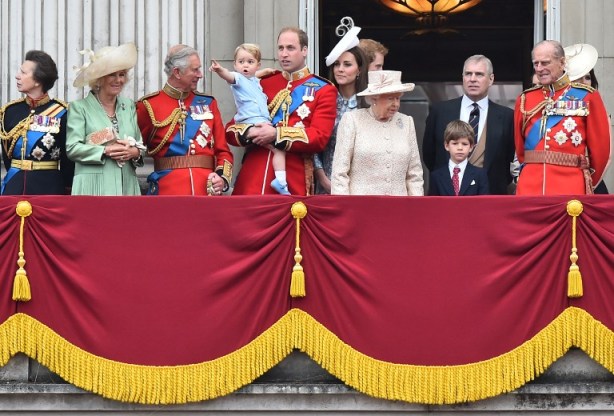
556,158
183,162
34,165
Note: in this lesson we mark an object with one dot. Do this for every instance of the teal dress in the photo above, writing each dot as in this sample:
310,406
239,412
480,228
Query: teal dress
96,174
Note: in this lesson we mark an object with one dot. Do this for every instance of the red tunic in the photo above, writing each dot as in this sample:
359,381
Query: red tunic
575,133
203,135
307,131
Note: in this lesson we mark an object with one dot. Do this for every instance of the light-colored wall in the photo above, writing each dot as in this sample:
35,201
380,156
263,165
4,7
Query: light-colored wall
592,21
64,27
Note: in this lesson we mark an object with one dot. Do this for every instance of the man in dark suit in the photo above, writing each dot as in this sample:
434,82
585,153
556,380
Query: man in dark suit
494,150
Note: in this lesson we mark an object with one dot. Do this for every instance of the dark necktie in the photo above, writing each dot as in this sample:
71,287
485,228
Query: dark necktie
455,180
474,120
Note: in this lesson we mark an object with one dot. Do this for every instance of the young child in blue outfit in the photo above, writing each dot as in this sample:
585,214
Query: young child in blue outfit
459,178
251,101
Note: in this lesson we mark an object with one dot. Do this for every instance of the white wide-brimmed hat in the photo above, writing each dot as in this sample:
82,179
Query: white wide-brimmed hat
385,82
347,42
580,59
104,62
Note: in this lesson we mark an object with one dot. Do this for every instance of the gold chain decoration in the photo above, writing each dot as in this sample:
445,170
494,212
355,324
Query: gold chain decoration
176,116
21,285
574,278
280,98
297,284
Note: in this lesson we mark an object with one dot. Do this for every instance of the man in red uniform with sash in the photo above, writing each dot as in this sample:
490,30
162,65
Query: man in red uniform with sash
303,110
561,130
184,133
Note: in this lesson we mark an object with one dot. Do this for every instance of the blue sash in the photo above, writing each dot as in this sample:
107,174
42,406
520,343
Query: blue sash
535,133
176,146
33,138
297,95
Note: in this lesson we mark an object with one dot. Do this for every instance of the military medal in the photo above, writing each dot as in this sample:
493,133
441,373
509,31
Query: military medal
201,112
309,94
303,111
201,141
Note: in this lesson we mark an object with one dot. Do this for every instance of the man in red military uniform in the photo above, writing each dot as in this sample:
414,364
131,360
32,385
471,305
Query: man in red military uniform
561,130
303,110
184,133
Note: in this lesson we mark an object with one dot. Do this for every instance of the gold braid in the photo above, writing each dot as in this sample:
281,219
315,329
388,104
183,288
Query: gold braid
277,101
527,115
20,130
171,121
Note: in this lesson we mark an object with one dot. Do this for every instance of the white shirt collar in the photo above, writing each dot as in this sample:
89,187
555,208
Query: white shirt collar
468,102
462,165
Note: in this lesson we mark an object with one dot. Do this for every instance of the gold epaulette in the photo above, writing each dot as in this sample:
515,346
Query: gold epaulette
323,79
153,94
61,102
533,88
274,72
10,103
4,135
576,84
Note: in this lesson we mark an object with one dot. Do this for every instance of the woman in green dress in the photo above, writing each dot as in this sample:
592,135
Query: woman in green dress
103,137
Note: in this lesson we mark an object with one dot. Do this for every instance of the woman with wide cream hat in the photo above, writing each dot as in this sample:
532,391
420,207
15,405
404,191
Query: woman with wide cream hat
103,139
377,150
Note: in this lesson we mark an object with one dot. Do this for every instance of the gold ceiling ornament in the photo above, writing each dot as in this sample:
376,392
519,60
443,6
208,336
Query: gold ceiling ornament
430,12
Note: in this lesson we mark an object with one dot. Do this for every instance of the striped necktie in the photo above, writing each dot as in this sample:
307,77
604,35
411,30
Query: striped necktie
474,120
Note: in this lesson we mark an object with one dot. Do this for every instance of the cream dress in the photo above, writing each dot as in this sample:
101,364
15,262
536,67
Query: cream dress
376,158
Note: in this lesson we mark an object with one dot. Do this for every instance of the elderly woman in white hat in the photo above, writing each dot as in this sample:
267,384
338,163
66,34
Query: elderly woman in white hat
348,72
377,151
103,137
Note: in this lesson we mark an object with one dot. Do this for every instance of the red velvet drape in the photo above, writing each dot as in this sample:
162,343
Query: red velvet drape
426,281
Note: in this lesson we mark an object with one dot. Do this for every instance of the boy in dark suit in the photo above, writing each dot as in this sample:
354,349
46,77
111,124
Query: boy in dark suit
459,177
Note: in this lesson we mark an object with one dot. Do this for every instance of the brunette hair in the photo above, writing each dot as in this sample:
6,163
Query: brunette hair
458,129
46,71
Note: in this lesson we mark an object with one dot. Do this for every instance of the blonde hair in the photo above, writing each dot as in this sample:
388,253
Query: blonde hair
250,48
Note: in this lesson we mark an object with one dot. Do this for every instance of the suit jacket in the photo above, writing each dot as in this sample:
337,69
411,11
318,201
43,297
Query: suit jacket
475,182
499,143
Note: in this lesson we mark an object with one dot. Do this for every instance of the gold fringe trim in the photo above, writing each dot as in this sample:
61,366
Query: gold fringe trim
21,284
574,277
297,329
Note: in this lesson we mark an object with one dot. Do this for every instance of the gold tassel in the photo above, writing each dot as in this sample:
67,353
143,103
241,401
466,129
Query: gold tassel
297,284
21,285
574,277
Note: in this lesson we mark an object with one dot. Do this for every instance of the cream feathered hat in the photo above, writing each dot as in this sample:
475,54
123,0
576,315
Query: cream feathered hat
104,62
385,82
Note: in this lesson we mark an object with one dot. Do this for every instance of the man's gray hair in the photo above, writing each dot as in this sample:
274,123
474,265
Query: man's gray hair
479,58
178,58
559,52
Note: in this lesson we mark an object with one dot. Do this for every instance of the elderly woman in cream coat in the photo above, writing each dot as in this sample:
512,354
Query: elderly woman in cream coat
377,151
103,137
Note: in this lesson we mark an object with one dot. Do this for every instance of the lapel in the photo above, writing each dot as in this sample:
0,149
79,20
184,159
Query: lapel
445,181
468,177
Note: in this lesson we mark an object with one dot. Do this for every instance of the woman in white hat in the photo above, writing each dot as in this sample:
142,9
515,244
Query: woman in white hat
377,151
580,61
103,138
348,71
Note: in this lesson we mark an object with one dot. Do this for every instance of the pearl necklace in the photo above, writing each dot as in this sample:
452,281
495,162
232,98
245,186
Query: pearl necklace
111,116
